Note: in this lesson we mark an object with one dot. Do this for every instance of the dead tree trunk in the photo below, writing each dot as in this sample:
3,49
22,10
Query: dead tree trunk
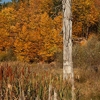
67,44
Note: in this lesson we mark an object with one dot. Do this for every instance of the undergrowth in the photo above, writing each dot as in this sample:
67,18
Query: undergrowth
23,81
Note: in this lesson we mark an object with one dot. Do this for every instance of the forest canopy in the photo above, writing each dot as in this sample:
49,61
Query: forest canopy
31,30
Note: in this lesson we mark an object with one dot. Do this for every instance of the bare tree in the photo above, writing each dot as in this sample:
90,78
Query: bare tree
67,44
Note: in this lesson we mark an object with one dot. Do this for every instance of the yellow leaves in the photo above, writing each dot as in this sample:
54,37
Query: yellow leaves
13,29
24,29
58,22
49,36
9,13
45,17
22,49
31,30
77,28
46,5
85,14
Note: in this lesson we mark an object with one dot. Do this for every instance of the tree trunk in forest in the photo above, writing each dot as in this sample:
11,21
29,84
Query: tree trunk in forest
87,32
67,44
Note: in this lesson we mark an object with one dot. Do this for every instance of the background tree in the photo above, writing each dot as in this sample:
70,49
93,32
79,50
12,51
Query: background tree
23,26
85,15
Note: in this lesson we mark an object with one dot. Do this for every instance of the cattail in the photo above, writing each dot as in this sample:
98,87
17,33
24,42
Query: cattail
22,71
9,86
1,72
50,90
55,95
8,71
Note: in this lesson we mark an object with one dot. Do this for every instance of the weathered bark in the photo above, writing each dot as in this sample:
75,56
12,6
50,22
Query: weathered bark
67,44
67,40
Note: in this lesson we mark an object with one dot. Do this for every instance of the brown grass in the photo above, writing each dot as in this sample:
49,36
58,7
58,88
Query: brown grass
27,81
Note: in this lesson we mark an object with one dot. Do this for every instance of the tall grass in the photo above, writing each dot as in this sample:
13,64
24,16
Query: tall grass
86,61
25,82
22,81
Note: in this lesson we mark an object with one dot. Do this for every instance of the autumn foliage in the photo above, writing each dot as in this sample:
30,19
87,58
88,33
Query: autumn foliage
30,29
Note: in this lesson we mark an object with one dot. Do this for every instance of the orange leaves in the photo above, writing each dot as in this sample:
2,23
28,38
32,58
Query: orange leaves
30,30
46,5
85,14
9,13
77,28
34,34
49,36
